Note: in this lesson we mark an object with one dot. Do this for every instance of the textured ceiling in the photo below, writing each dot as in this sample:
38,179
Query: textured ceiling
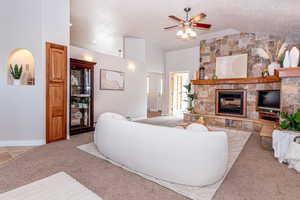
109,20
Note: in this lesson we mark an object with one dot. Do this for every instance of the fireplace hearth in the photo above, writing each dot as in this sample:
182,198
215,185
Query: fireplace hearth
231,103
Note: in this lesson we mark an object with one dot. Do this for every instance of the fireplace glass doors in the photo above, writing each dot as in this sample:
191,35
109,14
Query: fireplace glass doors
231,103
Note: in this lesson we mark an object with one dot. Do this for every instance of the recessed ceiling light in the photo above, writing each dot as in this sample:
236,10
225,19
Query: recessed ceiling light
70,24
94,42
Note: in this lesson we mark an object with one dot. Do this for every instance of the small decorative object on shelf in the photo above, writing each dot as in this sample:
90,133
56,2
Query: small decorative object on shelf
214,75
16,73
201,120
265,73
272,67
190,97
201,73
28,78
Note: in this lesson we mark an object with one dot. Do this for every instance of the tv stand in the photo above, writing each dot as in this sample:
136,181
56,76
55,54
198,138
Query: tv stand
270,115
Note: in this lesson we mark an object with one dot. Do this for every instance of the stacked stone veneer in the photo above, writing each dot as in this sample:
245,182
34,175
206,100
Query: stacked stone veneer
240,44
205,104
244,43
290,95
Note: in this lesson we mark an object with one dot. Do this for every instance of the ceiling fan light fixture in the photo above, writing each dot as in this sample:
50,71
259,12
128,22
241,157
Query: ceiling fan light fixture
179,33
188,31
193,34
185,36
188,25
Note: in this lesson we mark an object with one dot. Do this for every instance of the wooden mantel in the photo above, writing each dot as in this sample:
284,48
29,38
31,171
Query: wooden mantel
279,73
257,80
288,72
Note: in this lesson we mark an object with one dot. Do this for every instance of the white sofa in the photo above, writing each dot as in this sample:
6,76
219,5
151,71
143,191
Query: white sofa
174,155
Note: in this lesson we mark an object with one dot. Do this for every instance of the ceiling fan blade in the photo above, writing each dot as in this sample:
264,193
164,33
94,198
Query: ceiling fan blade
198,18
170,27
199,25
176,18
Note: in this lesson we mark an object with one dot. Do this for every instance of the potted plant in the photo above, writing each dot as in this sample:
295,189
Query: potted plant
16,73
190,97
290,121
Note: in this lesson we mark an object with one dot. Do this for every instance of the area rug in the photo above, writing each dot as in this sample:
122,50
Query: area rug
169,121
236,139
56,187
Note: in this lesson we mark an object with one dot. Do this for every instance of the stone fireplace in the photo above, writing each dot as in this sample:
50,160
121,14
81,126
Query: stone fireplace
231,103
244,43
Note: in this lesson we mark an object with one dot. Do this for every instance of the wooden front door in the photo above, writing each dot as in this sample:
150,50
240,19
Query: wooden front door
56,97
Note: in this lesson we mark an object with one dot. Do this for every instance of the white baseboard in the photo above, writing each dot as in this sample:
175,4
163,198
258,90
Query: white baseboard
21,143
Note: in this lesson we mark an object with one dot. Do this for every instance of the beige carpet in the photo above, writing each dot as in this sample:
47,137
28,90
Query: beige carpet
8,153
255,175
59,186
237,140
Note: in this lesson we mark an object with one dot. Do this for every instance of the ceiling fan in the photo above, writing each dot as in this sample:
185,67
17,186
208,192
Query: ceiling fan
189,24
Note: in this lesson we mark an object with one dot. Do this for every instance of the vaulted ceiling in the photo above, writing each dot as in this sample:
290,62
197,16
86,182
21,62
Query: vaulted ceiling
109,20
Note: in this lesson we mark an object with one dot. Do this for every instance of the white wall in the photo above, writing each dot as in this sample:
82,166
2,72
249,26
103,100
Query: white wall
183,60
156,70
155,58
135,49
132,102
152,57
110,45
22,116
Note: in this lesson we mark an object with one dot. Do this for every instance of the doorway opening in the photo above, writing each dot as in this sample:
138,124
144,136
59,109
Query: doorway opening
177,98
154,94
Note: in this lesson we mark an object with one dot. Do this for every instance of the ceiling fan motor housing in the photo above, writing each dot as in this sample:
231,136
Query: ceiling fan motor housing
187,9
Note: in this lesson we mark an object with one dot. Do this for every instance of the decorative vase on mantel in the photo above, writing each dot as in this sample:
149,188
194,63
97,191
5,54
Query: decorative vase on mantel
286,61
272,67
294,57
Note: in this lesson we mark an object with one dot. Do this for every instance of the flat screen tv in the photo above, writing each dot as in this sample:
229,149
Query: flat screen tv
269,99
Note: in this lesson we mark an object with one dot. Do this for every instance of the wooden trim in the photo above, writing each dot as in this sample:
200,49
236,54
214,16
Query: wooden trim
233,115
257,80
288,72
82,63
268,114
48,109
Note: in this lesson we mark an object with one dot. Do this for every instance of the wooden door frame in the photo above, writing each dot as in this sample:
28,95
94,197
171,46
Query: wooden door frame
65,49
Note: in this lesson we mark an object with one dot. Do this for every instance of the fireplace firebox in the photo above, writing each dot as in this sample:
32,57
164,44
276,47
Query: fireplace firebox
231,103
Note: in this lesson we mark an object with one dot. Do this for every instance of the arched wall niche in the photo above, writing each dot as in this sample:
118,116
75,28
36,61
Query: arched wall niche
21,57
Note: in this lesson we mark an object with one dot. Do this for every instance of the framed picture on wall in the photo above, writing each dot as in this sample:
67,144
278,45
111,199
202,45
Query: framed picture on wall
112,80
